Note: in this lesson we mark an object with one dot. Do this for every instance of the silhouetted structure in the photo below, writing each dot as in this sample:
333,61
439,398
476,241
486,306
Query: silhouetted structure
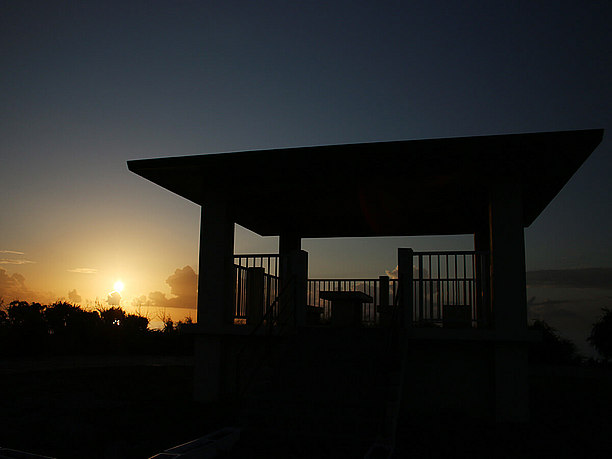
452,327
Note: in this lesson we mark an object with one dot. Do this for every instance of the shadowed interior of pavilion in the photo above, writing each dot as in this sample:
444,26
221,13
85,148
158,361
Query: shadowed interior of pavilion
449,335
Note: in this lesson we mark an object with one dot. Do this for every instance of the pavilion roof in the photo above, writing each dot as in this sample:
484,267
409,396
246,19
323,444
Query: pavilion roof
398,188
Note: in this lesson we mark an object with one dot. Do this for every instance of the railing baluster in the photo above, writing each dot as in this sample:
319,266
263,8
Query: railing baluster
449,281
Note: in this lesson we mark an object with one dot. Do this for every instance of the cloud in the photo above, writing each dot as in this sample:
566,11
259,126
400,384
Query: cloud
393,273
114,299
83,270
14,261
13,287
183,283
183,286
12,252
600,278
74,297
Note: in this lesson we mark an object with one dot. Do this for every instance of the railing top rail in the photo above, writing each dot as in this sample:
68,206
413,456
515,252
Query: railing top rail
454,252
244,268
330,279
256,255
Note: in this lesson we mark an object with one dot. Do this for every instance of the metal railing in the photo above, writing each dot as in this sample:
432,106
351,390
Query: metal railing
451,287
268,261
447,286
370,287
242,263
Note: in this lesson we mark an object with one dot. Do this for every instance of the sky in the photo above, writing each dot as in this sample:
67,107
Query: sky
86,86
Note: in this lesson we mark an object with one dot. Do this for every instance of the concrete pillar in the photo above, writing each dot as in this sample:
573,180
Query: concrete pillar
511,382
507,246
294,267
216,273
215,300
404,274
255,295
385,313
508,292
288,242
482,243
383,293
299,269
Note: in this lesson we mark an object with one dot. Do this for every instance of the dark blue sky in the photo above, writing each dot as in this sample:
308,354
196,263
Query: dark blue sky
87,85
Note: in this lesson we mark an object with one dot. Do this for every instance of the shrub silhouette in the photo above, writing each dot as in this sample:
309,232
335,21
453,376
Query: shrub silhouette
27,317
112,317
64,328
553,349
601,334
66,319
3,316
135,323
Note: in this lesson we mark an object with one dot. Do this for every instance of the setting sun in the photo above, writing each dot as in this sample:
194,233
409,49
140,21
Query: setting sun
118,286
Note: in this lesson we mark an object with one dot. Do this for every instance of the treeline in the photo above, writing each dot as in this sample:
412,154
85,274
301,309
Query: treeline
554,349
64,328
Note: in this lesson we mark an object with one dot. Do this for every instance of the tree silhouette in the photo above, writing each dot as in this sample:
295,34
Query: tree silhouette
553,349
135,323
3,315
26,317
601,334
61,327
113,316
66,319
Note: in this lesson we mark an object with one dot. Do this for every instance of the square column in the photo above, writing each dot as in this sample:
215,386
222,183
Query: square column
404,275
215,281
215,301
293,265
507,251
508,292
482,244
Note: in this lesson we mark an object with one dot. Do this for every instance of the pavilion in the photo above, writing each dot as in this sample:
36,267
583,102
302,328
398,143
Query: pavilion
489,186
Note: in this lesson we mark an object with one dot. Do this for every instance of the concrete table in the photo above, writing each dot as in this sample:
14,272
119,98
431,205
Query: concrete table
346,307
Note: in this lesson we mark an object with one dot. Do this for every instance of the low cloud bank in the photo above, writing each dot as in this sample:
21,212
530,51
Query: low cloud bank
183,288
83,270
600,278
74,297
14,261
114,298
13,287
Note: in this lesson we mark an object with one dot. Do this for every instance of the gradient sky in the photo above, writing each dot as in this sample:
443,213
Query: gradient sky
86,86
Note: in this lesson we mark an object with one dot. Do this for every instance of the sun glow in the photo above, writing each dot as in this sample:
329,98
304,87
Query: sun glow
118,286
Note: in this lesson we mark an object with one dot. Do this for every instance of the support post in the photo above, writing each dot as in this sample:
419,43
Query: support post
507,252
404,274
216,273
255,295
384,311
508,293
482,245
383,295
215,300
294,268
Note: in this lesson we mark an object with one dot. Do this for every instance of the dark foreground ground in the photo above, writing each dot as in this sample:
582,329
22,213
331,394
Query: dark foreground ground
125,411
130,410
